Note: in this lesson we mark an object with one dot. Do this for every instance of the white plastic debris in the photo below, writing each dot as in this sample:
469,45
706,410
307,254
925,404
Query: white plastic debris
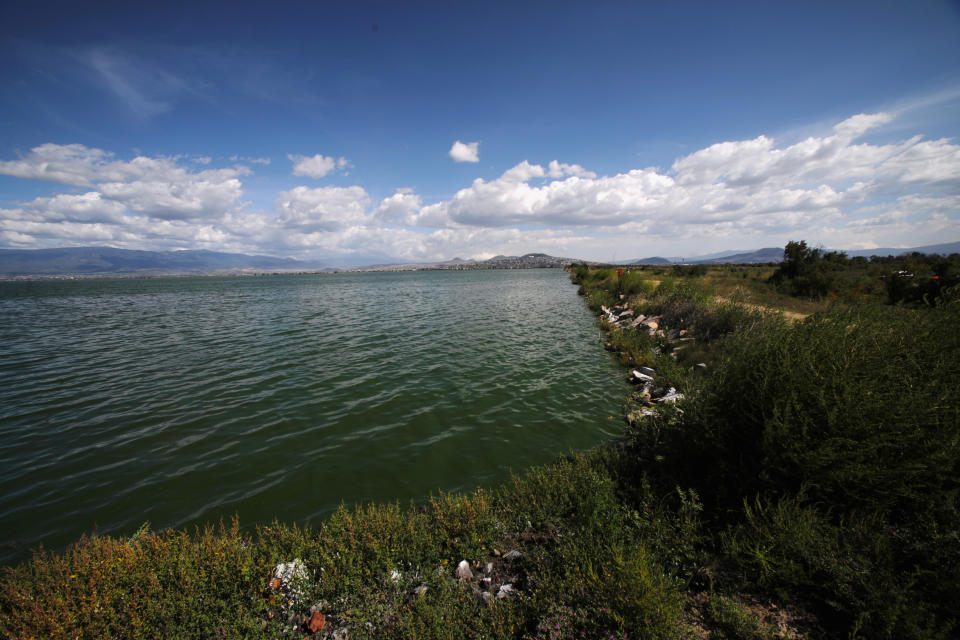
671,396
290,578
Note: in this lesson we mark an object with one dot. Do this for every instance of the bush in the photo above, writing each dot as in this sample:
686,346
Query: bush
847,428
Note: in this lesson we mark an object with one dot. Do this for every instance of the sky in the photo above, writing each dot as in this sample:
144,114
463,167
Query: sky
355,132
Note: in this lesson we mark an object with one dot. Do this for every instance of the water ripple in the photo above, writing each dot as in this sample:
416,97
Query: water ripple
180,401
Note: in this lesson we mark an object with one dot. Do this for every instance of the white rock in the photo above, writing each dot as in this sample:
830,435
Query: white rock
513,555
463,571
505,590
641,377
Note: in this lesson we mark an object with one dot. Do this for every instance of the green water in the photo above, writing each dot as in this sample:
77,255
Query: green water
185,400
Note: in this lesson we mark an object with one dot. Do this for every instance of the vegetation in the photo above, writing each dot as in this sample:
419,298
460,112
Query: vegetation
806,486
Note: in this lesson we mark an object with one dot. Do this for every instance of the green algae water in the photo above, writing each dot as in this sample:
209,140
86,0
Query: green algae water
181,401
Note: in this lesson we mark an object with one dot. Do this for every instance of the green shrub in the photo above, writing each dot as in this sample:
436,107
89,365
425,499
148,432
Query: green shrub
636,283
847,427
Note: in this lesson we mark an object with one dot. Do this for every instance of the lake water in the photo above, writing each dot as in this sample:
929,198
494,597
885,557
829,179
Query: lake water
185,400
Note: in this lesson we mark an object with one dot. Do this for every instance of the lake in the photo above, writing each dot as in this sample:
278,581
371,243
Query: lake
179,401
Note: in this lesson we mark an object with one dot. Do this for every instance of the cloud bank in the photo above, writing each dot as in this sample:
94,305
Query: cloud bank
835,189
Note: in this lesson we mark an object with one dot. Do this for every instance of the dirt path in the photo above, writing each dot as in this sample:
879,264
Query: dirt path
792,315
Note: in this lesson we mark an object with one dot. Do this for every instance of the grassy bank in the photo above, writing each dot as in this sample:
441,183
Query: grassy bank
805,486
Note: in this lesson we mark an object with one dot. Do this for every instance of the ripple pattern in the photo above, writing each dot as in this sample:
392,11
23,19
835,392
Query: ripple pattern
184,400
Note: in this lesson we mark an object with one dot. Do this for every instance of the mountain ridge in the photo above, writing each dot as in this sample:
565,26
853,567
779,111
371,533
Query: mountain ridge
111,262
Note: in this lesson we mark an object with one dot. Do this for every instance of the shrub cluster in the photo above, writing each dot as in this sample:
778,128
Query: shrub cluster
831,450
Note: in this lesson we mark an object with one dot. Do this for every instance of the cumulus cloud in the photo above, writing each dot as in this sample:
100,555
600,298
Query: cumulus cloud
66,163
834,188
560,170
316,166
398,207
736,186
323,208
125,198
465,151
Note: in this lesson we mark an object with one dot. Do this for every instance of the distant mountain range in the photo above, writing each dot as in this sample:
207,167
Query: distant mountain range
105,261
108,261
526,261
775,254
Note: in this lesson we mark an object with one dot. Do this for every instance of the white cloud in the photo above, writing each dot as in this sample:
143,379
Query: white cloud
316,166
465,152
398,207
559,170
832,189
69,163
251,160
323,208
143,88
735,186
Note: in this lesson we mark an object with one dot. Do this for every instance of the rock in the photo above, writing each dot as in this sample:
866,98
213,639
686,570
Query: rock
626,315
651,323
673,334
316,622
646,371
513,555
637,376
505,590
700,367
463,571
486,597
496,553
609,347
488,569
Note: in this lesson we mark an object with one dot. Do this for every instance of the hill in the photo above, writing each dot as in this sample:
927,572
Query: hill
108,261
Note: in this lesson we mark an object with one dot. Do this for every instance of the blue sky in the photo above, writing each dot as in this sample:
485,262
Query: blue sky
359,131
